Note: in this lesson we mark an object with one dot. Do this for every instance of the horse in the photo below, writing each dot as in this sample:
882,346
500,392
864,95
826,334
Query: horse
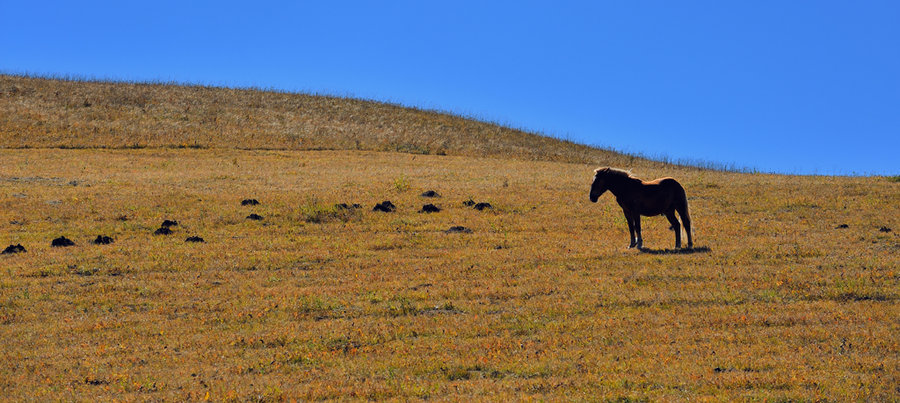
647,198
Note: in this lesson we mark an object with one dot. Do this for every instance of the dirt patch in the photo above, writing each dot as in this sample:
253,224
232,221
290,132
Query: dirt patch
102,240
169,223
249,202
430,208
430,193
62,242
482,206
17,248
256,217
385,206
194,239
162,231
458,229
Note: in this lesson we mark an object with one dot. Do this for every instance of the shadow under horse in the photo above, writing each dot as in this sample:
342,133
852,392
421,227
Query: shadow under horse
663,196
688,251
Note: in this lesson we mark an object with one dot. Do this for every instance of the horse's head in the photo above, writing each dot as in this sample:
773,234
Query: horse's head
599,185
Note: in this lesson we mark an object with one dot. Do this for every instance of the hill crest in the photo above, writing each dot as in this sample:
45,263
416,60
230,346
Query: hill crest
59,113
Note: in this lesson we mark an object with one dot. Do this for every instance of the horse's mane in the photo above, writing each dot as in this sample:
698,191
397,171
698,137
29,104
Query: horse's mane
614,171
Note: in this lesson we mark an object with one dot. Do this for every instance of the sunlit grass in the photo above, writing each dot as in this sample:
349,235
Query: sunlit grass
791,294
40,113
541,300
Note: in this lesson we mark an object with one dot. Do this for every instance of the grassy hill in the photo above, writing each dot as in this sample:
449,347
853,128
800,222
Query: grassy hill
38,112
793,293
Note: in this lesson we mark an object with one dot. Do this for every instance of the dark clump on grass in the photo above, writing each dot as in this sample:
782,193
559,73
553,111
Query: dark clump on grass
458,229
385,206
94,381
194,239
62,242
249,202
842,226
430,208
345,206
469,203
17,248
482,206
885,229
162,231
102,240
84,271
430,193
169,223
853,296
254,217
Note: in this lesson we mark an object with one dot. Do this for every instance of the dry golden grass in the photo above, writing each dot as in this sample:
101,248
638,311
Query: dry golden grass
39,113
542,300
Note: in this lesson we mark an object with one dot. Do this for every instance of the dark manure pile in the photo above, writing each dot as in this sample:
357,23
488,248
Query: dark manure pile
103,240
430,208
61,242
17,248
385,207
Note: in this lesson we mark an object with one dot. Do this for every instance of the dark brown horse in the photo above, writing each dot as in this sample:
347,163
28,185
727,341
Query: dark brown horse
637,198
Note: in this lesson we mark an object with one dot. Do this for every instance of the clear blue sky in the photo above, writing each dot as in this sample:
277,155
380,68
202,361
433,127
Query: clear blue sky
784,86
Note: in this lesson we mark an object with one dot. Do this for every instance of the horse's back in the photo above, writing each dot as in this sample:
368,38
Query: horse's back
666,188
666,182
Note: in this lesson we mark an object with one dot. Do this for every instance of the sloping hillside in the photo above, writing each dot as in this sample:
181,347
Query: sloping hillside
38,112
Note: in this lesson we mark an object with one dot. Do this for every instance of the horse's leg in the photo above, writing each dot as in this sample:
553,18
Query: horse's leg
675,227
630,227
637,230
686,221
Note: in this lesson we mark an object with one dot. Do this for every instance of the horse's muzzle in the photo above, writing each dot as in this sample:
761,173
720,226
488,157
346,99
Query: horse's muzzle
594,198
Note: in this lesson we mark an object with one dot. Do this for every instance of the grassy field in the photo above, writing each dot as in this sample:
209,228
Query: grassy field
542,300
